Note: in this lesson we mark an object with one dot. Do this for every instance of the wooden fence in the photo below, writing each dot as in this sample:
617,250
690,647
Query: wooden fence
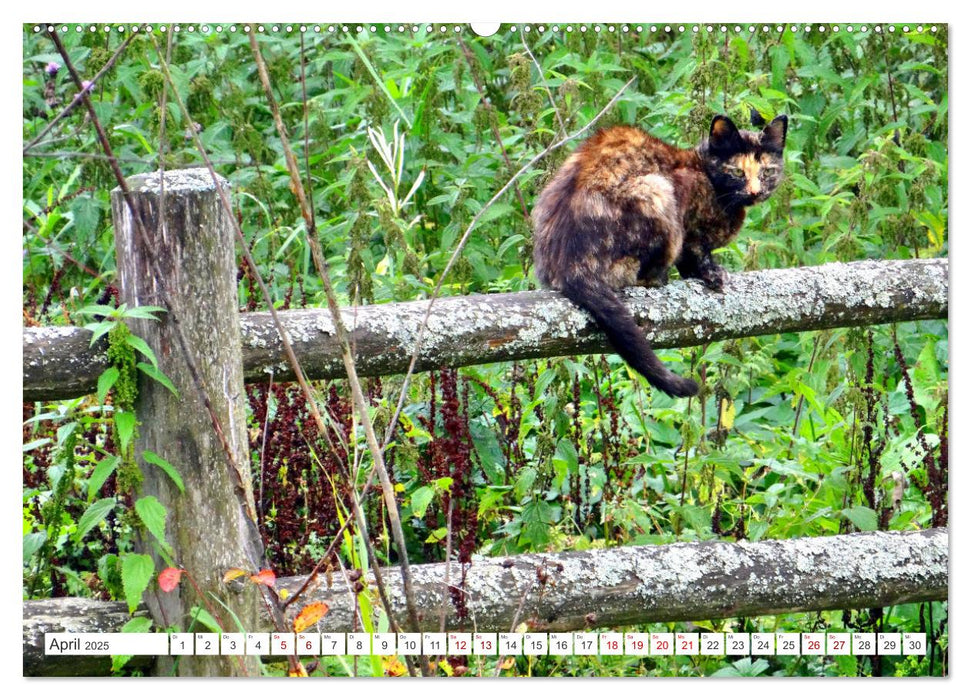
176,249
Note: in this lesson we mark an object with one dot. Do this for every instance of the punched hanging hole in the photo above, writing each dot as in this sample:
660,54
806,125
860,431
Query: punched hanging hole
485,28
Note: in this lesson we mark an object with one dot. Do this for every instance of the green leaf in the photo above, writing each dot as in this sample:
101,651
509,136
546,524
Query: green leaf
864,518
420,500
99,310
437,535
697,517
95,513
137,625
524,482
157,374
125,422
743,668
136,574
106,381
34,444
33,541
149,312
64,432
152,514
102,471
99,329
205,618
109,571
86,214
173,473
142,347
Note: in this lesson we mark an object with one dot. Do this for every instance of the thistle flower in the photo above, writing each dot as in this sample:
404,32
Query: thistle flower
52,68
86,86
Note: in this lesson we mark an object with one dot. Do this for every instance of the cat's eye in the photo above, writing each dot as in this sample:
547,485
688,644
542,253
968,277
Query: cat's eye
734,170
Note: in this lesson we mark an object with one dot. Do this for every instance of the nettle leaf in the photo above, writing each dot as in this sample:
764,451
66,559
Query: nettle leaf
87,214
98,310
125,422
152,514
137,625
99,329
142,347
136,574
102,471
420,500
118,661
864,518
106,381
149,312
173,473
157,374
33,541
94,514
64,432
34,444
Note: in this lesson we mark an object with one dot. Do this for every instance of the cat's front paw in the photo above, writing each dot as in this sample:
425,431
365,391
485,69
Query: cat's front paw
657,279
714,277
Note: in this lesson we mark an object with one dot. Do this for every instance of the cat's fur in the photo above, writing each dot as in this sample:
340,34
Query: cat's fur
626,206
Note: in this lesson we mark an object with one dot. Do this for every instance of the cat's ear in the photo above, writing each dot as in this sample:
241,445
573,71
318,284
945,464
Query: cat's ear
723,135
756,117
774,135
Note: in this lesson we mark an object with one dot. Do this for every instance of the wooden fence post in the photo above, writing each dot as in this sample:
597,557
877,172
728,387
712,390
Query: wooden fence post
182,257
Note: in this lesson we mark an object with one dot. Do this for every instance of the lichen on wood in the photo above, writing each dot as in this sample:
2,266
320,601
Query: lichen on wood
607,588
485,328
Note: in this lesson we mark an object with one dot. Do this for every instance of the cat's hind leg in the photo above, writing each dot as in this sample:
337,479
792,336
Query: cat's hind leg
653,225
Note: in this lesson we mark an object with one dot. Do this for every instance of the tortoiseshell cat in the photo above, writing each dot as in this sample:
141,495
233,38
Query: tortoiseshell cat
626,206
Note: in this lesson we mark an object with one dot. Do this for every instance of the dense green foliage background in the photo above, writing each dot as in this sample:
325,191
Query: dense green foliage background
794,435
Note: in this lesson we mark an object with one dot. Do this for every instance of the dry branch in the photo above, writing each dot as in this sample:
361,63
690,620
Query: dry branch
613,587
485,328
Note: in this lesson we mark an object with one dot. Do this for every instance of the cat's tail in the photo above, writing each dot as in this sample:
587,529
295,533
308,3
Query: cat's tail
627,338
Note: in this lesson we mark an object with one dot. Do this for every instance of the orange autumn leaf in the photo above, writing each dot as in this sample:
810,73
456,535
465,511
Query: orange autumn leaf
266,577
233,574
309,616
169,578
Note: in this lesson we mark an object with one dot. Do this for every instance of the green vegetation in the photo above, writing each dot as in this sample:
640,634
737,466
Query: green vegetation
402,137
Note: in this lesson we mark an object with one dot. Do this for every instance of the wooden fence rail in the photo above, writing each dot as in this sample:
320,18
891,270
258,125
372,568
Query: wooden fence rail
59,363
603,588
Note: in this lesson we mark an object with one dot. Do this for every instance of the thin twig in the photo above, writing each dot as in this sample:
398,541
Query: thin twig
542,79
357,393
61,155
79,97
515,620
306,130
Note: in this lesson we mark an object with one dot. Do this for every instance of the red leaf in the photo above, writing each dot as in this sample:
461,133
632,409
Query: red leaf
310,615
169,579
265,577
